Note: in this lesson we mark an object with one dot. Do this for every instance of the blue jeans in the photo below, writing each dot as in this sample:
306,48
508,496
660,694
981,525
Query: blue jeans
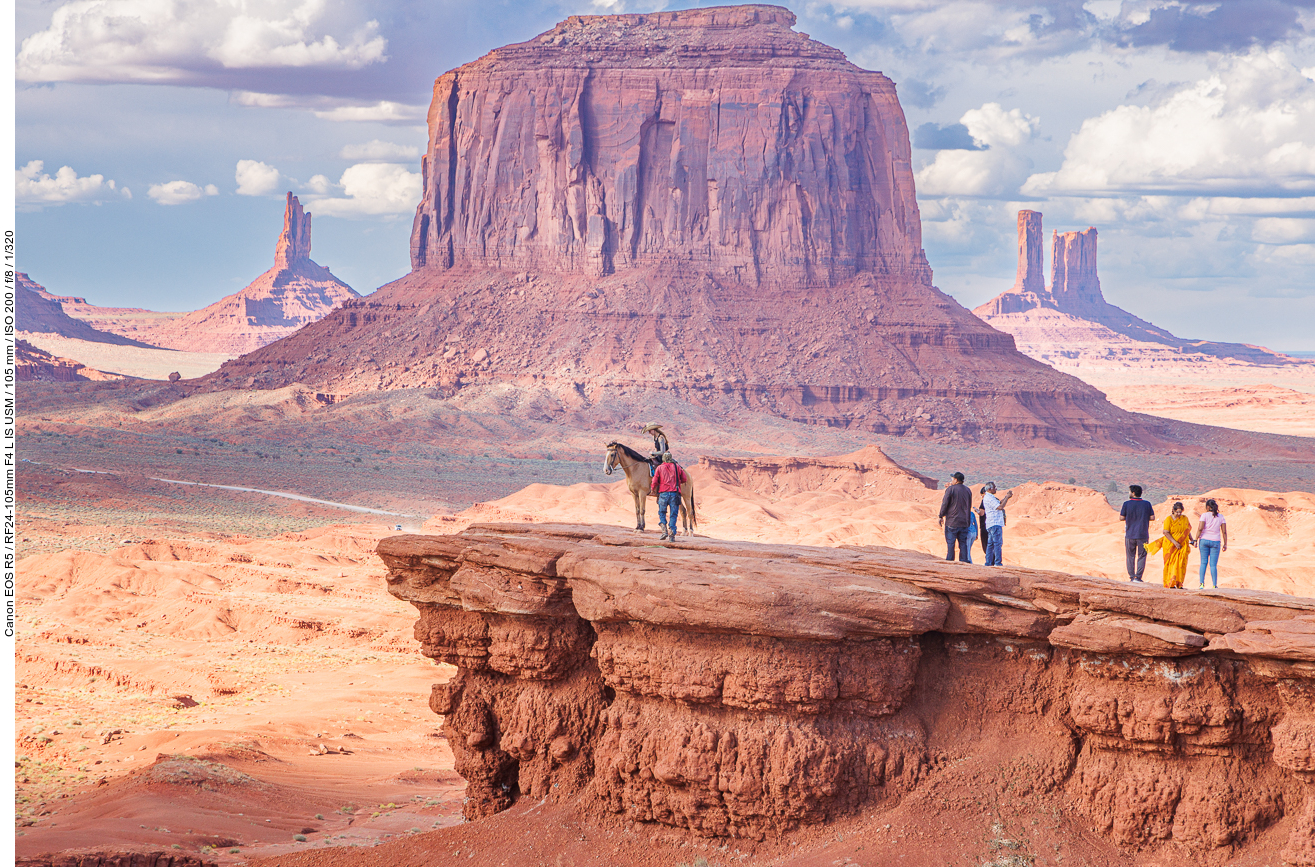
995,546
1210,554
668,508
960,535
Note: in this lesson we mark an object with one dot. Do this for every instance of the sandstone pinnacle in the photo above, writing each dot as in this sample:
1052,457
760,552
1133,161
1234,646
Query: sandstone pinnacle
1054,322
294,241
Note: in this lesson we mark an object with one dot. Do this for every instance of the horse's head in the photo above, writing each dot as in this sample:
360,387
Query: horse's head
611,462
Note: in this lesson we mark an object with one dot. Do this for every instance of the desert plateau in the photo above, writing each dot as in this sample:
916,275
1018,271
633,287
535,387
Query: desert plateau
312,577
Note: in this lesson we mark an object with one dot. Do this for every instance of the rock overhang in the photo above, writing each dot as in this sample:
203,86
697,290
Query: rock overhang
808,593
745,690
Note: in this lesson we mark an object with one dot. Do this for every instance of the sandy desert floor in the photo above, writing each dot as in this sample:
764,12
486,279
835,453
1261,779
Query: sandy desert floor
129,360
184,650
223,695
177,690
1245,397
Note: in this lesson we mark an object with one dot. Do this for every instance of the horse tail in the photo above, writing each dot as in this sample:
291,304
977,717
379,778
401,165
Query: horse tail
693,511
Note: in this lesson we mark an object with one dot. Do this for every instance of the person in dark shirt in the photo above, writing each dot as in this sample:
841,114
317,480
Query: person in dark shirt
1136,516
955,515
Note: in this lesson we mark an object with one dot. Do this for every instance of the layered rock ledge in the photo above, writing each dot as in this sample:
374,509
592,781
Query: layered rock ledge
745,690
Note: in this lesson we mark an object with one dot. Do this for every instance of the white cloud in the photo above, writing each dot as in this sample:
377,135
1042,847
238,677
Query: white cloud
336,108
993,173
320,185
33,186
1283,230
372,189
380,151
1246,130
382,111
992,126
256,178
186,40
180,192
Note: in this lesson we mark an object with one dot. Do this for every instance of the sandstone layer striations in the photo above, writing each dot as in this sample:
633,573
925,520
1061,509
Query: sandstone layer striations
1070,324
701,204
751,690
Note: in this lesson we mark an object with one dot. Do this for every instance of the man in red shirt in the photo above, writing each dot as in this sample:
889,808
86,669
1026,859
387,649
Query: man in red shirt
666,484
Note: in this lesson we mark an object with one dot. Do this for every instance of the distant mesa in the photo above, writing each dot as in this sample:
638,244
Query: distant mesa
1071,319
701,206
295,292
36,311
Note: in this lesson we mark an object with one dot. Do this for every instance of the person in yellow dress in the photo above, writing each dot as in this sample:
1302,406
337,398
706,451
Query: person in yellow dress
1176,545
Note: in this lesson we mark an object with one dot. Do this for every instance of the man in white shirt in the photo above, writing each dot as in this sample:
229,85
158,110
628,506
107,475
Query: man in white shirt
993,508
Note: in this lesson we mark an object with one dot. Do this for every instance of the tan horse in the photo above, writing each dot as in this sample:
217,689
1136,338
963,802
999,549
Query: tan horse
640,483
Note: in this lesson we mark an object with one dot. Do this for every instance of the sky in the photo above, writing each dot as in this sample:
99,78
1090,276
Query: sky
155,139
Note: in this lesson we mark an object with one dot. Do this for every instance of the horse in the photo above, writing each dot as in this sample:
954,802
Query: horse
636,468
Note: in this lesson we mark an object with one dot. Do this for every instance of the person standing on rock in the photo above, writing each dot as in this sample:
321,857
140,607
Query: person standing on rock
1176,544
1212,536
955,515
994,509
660,445
666,484
1136,516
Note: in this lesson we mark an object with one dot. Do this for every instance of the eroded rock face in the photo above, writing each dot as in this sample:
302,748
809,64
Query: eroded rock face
1074,282
702,205
715,137
1030,261
748,690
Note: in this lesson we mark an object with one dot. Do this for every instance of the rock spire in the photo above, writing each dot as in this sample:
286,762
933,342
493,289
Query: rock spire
1074,283
1070,322
294,242
1030,277
294,293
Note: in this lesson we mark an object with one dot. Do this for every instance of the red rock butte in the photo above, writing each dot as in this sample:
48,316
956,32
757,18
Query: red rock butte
703,205
1026,310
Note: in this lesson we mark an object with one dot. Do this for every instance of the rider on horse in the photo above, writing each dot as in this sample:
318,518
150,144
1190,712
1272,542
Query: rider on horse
660,445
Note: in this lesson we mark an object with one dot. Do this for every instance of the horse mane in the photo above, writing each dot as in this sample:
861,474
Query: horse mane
629,451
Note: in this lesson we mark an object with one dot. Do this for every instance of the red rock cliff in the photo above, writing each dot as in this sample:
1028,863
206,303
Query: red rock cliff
717,137
38,312
744,690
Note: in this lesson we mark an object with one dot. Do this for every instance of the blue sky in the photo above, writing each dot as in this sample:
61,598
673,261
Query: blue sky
155,139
